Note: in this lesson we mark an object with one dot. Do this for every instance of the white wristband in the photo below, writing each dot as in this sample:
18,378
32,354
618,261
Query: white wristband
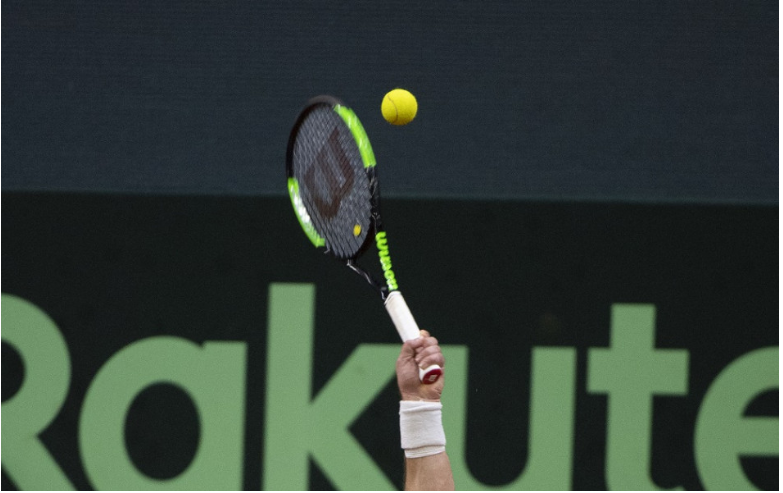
421,428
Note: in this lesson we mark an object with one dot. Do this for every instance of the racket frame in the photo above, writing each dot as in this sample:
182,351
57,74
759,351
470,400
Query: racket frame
368,160
389,291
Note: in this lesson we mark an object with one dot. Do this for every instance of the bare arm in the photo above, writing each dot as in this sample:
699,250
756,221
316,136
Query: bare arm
429,472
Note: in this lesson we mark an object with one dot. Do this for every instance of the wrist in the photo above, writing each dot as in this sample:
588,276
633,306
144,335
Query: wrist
407,396
421,428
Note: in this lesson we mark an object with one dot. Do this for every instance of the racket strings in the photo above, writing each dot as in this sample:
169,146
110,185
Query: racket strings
333,185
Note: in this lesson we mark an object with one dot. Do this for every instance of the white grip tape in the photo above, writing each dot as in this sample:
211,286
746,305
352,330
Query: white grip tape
401,316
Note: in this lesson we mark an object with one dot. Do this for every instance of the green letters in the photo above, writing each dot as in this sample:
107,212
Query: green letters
551,435
213,376
630,372
723,434
47,376
298,426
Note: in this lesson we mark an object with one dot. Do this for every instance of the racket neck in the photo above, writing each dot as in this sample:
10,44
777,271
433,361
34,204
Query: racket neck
382,289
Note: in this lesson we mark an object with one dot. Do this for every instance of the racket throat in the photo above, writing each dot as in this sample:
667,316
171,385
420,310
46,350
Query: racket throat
382,289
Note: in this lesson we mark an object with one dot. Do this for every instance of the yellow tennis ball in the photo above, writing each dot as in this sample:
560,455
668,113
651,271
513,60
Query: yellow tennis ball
399,107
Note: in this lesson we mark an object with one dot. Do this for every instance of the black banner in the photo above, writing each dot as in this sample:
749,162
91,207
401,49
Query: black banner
589,346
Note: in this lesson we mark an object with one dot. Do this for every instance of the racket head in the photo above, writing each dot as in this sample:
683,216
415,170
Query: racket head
330,167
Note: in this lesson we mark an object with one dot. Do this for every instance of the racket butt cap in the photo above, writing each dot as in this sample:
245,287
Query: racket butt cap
431,374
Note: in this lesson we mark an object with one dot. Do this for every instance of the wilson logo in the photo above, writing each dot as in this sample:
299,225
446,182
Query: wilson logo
386,264
330,178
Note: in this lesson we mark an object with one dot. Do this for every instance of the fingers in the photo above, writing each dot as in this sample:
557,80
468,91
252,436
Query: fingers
408,348
415,355
426,350
429,356
423,340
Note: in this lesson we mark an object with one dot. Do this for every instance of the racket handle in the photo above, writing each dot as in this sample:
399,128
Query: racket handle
401,316
408,329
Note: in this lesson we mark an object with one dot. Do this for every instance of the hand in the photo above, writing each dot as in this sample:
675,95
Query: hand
415,354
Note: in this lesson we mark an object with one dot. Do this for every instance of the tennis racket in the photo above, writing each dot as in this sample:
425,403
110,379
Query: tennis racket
333,185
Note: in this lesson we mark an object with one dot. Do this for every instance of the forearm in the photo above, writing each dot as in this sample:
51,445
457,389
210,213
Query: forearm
427,465
430,473
422,437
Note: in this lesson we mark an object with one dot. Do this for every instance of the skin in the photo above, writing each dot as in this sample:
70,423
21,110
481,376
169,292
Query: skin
433,472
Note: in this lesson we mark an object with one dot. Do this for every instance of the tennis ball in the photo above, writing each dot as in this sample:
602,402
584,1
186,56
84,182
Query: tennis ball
399,107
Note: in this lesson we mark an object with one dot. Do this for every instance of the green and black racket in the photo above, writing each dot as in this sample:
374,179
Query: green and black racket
333,186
